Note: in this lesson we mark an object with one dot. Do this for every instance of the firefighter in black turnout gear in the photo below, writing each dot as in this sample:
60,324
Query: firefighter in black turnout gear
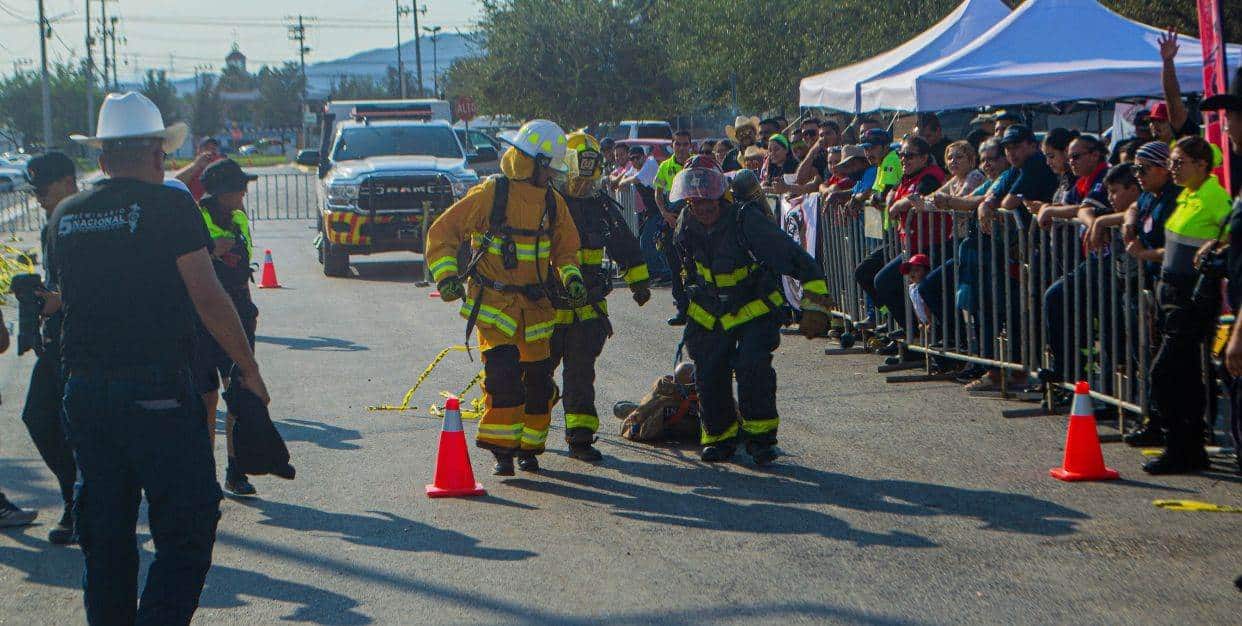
582,330
734,256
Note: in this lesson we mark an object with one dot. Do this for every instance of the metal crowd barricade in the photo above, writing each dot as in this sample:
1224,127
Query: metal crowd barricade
984,302
20,212
283,196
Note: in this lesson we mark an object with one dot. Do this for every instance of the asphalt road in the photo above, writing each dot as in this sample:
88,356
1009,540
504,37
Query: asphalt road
893,503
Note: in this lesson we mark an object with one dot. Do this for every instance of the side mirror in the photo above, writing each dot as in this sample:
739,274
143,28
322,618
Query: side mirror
308,157
483,154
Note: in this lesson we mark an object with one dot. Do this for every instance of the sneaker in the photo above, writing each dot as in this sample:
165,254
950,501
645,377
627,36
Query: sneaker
62,533
239,486
11,515
986,387
1146,437
717,453
970,373
504,464
1176,463
678,320
889,349
528,463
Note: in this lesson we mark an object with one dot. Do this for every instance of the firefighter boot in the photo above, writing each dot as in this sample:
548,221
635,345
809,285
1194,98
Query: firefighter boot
504,463
580,442
762,451
527,462
717,452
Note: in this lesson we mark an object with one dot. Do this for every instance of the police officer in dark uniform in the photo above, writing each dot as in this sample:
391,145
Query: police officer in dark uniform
734,256
131,259
54,178
223,213
581,331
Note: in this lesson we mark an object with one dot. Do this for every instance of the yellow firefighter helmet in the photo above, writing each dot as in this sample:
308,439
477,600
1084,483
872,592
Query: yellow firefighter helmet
584,163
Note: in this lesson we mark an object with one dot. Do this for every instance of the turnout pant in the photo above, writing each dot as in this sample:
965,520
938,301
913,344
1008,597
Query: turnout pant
141,430
517,393
43,421
578,345
744,351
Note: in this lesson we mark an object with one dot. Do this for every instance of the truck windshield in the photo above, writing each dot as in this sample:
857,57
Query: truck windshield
371,141
655,131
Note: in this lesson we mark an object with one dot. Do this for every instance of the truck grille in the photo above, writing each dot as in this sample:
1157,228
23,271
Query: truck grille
405,193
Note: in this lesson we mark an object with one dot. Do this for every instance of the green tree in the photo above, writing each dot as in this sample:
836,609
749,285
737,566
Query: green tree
349,87
280,96
206,110
21,105
574,61
160,90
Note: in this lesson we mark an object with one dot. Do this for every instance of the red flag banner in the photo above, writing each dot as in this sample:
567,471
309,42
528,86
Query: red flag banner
1212,36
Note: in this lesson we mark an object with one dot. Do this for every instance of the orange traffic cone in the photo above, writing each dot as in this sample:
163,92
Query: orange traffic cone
454,476
1083,458
268,280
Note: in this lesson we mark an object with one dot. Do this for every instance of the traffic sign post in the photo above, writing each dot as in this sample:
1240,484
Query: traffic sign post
466,110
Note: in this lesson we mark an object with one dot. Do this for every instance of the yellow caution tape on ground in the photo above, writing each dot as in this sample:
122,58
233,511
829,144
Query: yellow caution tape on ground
409,395
476,405
1196,506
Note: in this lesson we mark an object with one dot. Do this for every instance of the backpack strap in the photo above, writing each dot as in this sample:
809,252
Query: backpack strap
497,220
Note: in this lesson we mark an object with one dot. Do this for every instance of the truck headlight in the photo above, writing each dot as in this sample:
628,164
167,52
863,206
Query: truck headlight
342,194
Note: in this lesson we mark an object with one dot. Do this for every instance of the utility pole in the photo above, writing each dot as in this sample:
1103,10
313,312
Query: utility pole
418,48
90,74
44,32
103,37
116,82
400,64
435,57
298,33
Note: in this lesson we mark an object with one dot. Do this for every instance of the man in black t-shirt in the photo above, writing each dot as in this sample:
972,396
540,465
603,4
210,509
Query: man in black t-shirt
54,178
130,258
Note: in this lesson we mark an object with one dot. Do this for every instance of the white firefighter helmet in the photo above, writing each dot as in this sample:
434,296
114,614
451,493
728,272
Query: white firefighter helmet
543,141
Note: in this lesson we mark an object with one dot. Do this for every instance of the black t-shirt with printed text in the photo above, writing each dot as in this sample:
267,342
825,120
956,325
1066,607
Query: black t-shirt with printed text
116,248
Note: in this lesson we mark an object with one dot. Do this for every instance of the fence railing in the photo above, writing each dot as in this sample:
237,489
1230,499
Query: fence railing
1040,303
273,196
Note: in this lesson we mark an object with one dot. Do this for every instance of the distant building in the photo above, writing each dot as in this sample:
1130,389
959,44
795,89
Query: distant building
236,60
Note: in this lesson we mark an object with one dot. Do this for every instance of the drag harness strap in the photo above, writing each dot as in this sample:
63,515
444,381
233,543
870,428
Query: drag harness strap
1196,506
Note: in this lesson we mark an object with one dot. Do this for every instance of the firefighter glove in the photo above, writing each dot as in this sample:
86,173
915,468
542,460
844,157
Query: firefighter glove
577,291
451,289
641,292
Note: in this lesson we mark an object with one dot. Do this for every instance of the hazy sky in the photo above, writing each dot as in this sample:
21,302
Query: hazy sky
202,32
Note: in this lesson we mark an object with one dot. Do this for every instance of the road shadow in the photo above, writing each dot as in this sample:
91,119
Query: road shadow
227,586
379,530
42,563
405,271
314,343
773,502
319,433
30,485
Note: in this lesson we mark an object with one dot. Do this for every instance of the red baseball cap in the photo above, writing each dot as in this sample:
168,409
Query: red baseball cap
1159,112
920,260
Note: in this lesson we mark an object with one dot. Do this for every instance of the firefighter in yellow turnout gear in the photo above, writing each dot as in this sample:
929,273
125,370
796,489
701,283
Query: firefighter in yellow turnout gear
582,330
519,231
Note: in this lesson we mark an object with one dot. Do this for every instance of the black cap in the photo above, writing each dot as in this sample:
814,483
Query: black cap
1007,116
1017,134
637,151
48,168
225,176
607,143
875,137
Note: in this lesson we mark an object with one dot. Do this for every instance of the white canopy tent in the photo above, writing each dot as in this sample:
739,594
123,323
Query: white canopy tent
840,88
1045,51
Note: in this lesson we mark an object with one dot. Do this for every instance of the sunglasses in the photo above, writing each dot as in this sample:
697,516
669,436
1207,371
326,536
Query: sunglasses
1176,164
909,155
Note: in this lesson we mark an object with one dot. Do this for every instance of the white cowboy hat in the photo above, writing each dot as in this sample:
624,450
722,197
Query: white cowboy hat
131,115
741,121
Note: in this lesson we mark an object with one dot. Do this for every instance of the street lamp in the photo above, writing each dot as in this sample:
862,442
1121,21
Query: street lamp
435,57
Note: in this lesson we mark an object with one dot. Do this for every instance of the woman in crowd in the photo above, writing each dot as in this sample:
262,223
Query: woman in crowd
780,162
1189,304
920,232
1056,152
722,150
707,147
